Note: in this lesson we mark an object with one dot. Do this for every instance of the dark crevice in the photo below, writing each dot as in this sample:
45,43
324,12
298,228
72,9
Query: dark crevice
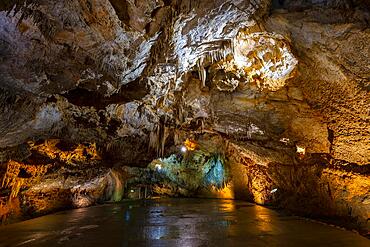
16,5
85,123
330,138
24,174
66,146
129,92
38,159
121,8
131,150
51,99
326,160
351,167
113,126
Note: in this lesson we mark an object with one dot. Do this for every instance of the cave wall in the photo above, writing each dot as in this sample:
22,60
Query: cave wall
87,87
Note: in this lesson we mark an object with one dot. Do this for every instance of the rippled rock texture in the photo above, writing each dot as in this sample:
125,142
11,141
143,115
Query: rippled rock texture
278,89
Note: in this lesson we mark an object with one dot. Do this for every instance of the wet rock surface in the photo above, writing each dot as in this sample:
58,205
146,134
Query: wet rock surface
90,90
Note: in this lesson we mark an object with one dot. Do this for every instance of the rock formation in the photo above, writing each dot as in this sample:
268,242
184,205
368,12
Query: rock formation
273,96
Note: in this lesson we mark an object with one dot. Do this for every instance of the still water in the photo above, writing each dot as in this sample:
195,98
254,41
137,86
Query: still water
175,222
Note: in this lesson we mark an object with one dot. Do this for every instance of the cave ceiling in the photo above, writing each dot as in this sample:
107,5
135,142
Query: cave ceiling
115,68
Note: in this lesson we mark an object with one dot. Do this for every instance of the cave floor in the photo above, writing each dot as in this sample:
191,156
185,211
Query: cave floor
175,222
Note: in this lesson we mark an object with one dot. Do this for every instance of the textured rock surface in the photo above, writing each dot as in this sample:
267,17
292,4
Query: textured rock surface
335,75
279,88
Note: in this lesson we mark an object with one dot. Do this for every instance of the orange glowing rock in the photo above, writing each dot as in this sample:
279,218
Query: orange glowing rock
82,153
190,145
12,180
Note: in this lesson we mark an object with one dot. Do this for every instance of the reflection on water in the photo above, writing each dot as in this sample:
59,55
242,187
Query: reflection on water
169,223
127,215
228,206
175,222
156,232
263,219
156,228
76,215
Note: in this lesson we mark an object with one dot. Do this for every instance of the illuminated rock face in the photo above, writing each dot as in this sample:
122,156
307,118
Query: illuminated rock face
266,57
280,89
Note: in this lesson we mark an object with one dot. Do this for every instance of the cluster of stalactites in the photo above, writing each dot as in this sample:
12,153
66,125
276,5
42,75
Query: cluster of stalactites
158,137
13,180
262,57
212,52
81,153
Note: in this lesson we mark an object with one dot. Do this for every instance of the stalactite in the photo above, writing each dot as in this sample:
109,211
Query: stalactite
210,53
154,138
158,137
164,138
12,180
202,72
159,140
176,137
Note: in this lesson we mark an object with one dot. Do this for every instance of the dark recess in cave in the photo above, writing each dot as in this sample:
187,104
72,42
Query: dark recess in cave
121,9
24,174
38,159
129,92
66,146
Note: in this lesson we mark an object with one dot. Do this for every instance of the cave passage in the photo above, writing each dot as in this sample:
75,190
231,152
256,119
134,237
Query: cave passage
175,222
